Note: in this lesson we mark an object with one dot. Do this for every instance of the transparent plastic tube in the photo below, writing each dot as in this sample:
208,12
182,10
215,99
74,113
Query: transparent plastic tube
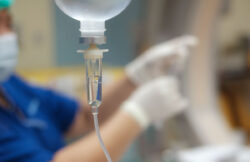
100,138
94,80
93,60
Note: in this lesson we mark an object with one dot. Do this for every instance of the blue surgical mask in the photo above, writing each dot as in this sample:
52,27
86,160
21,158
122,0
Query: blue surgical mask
8,55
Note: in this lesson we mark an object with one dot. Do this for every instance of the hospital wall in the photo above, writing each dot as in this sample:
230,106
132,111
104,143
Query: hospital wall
33,22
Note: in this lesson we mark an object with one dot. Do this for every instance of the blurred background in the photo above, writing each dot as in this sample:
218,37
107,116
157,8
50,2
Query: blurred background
216,80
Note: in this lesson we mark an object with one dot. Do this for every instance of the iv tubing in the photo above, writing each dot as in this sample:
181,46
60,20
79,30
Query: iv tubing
97,129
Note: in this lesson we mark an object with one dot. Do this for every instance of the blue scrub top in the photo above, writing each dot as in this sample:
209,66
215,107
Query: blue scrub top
37,134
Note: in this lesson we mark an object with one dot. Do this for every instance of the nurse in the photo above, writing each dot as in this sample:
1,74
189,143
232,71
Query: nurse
34,121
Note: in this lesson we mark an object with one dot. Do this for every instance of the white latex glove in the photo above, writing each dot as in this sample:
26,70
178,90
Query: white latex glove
162,59
155,101
244,155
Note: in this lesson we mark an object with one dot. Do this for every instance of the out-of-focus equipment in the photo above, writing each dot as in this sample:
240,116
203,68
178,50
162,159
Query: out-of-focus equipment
166,58
212,153
8,55
6,3
156,101
92,15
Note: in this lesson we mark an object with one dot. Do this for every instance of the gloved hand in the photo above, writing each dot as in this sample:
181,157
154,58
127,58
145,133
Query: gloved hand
155,101
162,59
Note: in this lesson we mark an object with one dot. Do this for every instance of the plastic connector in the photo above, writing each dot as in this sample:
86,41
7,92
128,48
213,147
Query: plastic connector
93,32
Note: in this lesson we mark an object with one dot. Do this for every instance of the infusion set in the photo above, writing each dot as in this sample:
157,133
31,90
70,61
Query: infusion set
92,15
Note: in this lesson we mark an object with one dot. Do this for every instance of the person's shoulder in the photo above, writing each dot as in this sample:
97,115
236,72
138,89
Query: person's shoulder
15,82
27,86
17,79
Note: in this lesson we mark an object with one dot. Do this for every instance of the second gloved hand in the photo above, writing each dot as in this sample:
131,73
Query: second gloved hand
167,57
155,102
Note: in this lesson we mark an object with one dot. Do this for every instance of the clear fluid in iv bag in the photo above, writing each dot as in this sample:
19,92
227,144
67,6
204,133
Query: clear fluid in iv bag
99,10
94,89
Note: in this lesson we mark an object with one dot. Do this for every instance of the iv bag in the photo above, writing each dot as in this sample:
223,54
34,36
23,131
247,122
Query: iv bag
92,15
96,10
